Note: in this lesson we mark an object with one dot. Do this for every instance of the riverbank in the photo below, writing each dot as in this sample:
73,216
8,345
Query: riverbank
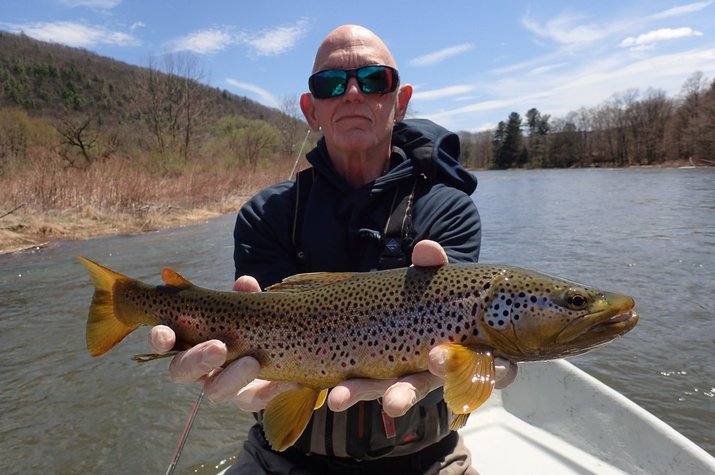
27,228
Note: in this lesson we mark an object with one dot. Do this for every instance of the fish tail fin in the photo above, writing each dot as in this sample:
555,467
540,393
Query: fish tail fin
287,415
105,328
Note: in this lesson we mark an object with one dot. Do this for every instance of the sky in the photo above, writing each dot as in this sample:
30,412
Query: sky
471,63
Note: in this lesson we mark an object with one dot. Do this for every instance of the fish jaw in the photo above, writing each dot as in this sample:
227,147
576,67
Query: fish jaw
612,317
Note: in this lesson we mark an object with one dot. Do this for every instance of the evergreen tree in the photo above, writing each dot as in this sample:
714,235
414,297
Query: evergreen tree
510,152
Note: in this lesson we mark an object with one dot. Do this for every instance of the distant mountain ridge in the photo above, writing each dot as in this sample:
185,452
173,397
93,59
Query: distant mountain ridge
52,80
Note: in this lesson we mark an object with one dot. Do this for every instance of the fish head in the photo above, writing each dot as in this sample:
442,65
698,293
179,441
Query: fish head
533,316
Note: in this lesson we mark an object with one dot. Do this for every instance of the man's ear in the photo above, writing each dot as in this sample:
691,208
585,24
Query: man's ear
403,99
308,108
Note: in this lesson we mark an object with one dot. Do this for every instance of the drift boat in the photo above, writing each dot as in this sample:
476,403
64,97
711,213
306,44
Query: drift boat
556,419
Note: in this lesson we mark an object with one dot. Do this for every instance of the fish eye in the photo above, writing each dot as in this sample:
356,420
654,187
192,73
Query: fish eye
576,300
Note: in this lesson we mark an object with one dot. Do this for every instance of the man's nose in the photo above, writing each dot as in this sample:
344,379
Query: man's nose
352,91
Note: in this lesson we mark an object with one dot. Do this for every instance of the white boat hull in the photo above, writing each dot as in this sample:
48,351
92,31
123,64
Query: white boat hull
556,419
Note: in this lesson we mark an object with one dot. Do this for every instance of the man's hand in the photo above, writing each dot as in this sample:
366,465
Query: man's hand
203,362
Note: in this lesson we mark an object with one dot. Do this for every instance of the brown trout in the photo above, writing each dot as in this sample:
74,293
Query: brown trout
323,328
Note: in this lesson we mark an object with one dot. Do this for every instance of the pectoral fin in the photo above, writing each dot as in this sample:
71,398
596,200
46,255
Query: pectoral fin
321,399
287,415
469,380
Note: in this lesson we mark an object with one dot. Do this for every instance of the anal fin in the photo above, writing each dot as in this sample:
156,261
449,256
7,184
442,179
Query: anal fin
287,415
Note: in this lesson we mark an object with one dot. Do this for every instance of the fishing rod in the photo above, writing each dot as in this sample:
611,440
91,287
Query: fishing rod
185,434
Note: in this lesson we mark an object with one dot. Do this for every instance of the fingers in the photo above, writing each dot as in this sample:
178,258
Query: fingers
408,391
197,362
161,339
224,383
351,391
428,253
397,396
246,283
256,394
505,372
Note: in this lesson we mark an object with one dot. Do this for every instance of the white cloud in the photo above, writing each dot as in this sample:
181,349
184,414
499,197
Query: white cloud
208,41
587,85
137,25
565,29
271,42
439,56
682,10
266,98
655,36
276,40
443,92
73,34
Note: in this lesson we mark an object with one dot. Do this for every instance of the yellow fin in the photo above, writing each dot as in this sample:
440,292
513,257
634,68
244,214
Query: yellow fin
174,279
299,282
287,415
458,421
104,329
469,380
321,399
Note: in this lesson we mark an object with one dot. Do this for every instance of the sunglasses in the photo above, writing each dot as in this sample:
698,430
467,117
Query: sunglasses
376,79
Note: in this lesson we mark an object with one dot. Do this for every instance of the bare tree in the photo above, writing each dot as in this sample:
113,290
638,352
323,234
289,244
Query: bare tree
172,102
78,141
83,143
290,125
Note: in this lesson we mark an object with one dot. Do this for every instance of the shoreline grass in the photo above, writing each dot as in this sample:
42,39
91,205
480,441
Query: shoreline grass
54,202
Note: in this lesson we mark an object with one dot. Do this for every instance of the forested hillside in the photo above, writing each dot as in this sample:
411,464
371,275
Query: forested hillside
87,107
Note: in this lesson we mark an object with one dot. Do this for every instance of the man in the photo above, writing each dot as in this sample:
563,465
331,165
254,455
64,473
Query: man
382,193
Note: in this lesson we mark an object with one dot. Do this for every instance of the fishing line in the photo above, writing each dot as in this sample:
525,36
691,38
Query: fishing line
185,434
297,159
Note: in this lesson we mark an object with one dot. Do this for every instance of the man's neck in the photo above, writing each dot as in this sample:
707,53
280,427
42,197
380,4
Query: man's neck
361,168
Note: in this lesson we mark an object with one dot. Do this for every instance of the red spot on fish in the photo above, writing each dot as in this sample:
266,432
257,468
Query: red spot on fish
372,355
300,357
278,366
343,364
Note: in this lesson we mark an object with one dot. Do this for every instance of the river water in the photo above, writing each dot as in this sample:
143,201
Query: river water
649,233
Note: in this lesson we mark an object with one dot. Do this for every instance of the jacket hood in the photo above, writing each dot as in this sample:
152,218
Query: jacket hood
435,152
419,146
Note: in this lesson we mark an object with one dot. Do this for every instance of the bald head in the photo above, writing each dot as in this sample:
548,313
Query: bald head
352,46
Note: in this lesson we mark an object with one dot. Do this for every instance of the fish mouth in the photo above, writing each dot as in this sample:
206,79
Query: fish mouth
601,326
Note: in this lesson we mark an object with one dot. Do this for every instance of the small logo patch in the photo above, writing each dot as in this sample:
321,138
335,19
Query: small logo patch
392,245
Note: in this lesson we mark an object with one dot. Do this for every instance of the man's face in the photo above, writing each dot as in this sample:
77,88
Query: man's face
354,122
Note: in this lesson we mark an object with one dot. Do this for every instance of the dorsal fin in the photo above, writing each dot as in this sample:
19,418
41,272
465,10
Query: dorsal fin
174,279
300,282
